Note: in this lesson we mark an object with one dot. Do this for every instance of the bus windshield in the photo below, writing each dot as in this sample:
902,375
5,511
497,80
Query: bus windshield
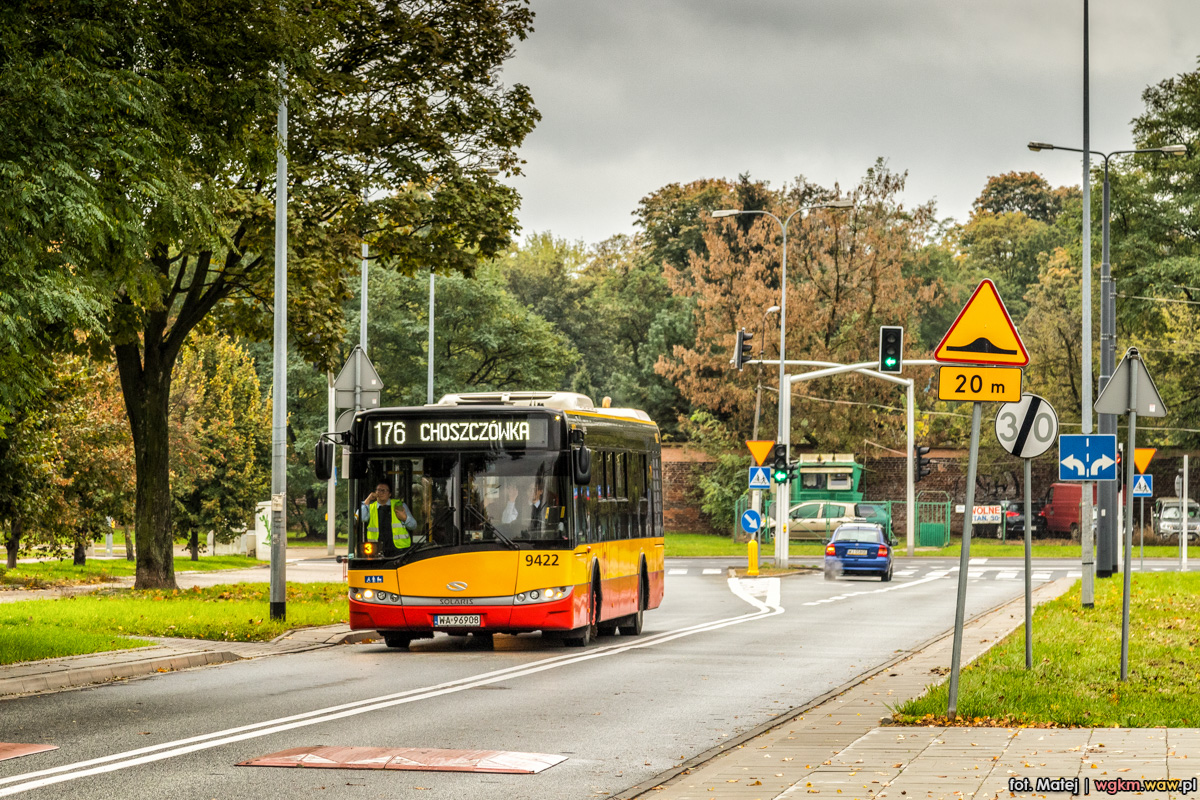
513,499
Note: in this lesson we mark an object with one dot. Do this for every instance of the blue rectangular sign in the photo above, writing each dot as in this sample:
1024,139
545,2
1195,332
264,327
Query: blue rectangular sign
760,478
1143,486
1087,457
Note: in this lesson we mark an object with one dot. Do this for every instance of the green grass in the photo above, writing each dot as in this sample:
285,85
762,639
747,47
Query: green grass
97,622
43,574
1076,664
704,544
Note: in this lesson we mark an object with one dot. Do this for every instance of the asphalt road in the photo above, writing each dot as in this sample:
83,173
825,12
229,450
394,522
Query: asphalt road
719,658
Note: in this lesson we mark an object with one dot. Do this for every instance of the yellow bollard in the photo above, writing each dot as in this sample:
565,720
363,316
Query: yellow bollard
752,558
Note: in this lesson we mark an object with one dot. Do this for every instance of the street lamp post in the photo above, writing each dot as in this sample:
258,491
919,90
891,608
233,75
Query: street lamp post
761,349
1106,551
784,431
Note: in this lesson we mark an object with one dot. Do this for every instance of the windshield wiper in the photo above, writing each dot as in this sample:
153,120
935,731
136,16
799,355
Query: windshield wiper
495,531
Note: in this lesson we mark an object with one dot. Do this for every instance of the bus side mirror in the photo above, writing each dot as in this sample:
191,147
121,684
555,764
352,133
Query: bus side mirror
581,465
323,460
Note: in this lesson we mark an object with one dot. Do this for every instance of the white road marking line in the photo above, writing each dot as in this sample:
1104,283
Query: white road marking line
893,588
180,747
712,572
677,572
1006,576
1041,576
975,561
904,573
1075,573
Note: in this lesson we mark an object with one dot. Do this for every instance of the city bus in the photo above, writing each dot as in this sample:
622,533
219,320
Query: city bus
522,512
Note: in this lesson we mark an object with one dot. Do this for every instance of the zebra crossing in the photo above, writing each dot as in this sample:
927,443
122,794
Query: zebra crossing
977,570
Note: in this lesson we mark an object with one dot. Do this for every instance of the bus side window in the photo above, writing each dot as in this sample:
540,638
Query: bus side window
623,491
636,494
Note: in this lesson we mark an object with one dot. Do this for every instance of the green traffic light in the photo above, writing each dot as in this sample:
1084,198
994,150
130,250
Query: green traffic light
890,361
779,476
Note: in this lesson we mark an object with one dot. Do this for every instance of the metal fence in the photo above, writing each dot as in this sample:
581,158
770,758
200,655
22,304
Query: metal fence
932,517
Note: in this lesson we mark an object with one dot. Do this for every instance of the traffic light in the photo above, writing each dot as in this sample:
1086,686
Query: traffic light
891,348
780,471
921,464
742,351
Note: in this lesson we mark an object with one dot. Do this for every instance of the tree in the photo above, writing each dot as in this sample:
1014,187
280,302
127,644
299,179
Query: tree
400,103
221,440
1023,192
844,279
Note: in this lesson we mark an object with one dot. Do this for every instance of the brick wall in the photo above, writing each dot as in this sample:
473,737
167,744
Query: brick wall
679,512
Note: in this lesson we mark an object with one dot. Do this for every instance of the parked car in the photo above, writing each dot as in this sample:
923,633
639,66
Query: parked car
1061,511
859,548
1012,524
1168,519
818,519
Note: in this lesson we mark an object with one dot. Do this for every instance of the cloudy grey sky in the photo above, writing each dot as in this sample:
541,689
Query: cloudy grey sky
636,94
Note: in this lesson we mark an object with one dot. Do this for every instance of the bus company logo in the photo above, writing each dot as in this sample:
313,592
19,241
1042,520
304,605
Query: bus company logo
456,586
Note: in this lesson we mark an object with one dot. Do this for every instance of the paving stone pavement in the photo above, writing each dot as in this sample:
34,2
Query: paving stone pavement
839,749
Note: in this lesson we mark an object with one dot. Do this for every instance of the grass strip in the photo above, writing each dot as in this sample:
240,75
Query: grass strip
1075,680
706,544
50,574
226,613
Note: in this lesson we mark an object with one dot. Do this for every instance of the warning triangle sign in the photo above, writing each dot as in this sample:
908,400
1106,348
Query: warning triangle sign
983,333
760,450
1142,456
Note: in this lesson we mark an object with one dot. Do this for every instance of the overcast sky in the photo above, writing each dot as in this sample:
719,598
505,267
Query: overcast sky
636,94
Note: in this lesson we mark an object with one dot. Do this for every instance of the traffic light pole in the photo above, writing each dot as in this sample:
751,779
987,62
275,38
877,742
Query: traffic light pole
782,490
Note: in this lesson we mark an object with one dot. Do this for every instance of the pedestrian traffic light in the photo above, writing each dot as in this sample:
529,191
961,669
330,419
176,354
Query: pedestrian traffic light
921,464
891,348
742,351
780,471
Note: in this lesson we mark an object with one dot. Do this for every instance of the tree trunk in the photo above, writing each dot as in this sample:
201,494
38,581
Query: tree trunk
129,553
14,541
80,555
194,544
146,387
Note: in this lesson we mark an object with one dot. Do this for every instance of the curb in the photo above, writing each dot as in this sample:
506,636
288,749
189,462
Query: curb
90,676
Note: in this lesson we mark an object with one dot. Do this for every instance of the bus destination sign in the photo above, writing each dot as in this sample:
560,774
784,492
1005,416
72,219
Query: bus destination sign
457,433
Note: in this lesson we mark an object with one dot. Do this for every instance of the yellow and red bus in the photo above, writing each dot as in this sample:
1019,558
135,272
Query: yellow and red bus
523,511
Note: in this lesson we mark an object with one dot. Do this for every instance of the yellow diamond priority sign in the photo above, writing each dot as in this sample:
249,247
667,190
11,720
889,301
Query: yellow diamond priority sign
983,333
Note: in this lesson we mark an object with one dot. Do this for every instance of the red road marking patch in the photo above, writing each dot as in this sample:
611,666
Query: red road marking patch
12,750
409,758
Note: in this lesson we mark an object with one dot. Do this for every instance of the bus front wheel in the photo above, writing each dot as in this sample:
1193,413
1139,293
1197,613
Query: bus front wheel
580,637
397,640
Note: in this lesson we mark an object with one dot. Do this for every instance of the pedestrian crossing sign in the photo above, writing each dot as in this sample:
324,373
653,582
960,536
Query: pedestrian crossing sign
760,478
1143,486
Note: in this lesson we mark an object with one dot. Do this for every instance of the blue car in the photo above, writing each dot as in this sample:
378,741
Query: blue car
859,548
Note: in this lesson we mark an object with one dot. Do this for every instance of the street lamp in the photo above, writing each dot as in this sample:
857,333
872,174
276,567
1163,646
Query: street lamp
1108,343
785,428
762,327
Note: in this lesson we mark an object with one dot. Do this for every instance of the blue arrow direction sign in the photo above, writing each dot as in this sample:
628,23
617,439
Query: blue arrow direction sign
751,521
1143,486
760,478
1087,457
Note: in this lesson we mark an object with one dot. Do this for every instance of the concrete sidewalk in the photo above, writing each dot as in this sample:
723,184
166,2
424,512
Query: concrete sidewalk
837,747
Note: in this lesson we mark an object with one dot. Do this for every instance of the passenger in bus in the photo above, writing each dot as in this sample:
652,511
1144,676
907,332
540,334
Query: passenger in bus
393,529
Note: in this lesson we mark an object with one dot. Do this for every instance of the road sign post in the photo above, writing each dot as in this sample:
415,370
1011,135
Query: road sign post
752,524
983,335
1027,430
1131,391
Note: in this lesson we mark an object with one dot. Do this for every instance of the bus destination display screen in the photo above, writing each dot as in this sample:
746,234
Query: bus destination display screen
431,433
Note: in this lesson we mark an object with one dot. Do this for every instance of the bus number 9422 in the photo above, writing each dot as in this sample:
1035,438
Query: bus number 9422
542,560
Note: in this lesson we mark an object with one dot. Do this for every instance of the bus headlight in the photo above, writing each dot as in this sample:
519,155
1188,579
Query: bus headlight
543,595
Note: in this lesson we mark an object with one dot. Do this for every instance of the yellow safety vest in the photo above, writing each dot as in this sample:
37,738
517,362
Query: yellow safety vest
400,536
